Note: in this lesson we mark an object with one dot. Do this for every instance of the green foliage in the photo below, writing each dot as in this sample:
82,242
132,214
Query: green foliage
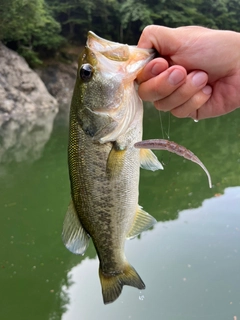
77,17
133,10
134,15
71,13
34,26
174,14
30,26
30,56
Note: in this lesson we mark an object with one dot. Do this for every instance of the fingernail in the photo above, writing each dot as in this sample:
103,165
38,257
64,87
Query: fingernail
199,79
156,69
207,90
176,76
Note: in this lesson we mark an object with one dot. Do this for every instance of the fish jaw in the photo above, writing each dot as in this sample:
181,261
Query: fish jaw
129,59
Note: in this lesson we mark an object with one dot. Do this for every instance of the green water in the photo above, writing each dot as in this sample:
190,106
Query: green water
189,261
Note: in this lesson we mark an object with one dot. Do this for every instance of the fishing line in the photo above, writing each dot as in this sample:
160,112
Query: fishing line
168,136
160,119
166,133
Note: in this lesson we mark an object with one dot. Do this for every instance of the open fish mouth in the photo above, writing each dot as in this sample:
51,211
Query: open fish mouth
135,57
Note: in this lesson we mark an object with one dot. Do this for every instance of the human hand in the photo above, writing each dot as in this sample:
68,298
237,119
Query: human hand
198,74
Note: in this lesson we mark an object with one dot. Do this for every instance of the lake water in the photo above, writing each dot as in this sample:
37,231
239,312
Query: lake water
189,261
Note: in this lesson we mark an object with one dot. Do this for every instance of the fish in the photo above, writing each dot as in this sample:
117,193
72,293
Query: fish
104,158
105,122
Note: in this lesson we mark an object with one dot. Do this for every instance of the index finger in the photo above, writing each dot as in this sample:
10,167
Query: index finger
152,69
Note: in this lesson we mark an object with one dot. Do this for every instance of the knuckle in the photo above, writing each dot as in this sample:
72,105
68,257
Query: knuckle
179,112
184,94
148,29
199,99
158,105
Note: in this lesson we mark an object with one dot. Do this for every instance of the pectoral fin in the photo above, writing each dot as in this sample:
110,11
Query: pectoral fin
74,236
143,221
115,160
149,161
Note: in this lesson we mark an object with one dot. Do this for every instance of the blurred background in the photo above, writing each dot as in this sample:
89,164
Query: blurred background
190,260
37,29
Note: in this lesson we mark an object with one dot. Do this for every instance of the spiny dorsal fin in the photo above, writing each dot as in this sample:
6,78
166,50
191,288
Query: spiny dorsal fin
149,161
112,283
74,236
143,221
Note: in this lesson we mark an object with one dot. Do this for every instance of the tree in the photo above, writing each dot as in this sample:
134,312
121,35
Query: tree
33,26
77,17
134,13
29,26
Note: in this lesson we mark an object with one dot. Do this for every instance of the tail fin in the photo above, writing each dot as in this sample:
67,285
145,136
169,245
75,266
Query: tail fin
112,284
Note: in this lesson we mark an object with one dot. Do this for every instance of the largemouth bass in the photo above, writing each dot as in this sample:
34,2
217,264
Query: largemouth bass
105,124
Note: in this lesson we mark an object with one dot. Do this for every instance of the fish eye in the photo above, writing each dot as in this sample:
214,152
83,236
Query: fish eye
86,72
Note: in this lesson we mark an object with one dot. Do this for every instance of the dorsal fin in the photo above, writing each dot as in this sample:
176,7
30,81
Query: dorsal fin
149,161
142,222
74,236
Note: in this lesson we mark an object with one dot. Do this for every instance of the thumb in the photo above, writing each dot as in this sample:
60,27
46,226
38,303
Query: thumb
163,39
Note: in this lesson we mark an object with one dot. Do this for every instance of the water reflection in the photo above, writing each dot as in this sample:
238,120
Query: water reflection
192,269
24,138
183,184
189,261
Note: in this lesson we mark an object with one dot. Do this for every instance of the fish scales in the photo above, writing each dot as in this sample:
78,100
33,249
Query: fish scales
105,123
105,154
104,213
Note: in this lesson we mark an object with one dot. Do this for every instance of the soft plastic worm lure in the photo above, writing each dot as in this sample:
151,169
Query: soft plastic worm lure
162,144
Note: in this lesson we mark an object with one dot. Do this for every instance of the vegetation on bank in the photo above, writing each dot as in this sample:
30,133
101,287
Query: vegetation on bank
39,28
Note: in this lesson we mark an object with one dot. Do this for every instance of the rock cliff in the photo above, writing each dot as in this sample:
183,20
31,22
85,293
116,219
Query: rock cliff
21,89
27,110
60,79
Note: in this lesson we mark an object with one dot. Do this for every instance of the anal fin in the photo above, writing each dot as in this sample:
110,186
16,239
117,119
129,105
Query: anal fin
74,237
143,221
149,161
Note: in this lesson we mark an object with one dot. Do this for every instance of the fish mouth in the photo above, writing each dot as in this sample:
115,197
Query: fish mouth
134,58
111,50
